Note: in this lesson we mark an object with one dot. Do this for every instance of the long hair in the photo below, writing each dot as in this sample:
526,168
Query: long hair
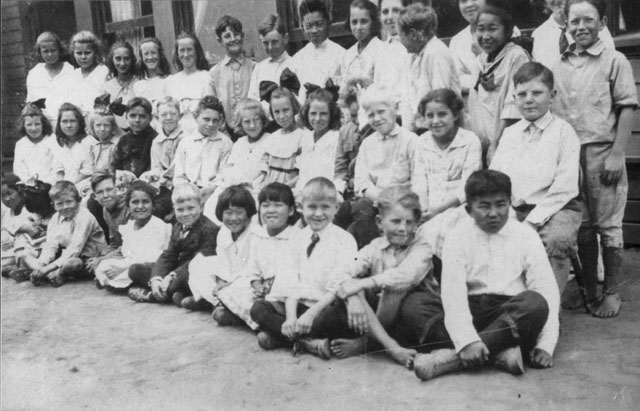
61,137
163,64
201,61
113,72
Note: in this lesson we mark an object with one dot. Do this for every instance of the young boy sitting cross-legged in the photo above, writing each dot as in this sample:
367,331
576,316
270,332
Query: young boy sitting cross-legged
498,290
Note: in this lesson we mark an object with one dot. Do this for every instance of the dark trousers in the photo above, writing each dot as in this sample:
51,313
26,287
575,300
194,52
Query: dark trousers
358,217
96,210
331,323
140,274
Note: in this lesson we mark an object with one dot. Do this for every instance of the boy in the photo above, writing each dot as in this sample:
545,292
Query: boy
73,237
541,155
230,77
301,306
163,148
200,157
498,290
320,59
394,264
133,152
193,233
431,65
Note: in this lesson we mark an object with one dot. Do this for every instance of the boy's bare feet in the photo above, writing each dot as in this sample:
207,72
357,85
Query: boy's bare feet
572,299
403,356
345,347
609,306
510,360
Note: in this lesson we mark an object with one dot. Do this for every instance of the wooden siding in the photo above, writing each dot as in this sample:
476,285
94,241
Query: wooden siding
632,210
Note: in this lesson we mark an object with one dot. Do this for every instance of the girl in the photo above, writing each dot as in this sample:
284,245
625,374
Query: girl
153,68
269,248
142,228
284,145
491,102
87,81
45,80
103,141
121,62
208,275
445,156
71,161
191,83
34,153
319,146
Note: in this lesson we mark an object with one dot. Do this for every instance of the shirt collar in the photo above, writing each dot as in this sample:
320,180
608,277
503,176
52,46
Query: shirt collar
228,59
200,137
544,121
284,56
393,133
432,145
595,50
172,136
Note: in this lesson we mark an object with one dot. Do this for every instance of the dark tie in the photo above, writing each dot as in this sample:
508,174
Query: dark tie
563,42
314,241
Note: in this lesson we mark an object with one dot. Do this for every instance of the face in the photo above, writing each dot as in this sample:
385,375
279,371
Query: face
33,127
274,43
103,128
11,198
533,99
106,193
252,124
316,27
584,24
389,12
66,205
235,219
140,205
187,53
319,116
411,40
381,117
469,9
440,119
150,54
275,216
122,60
84,55
169,117
187,212
360,22
318,212
231,41
557,8
138,118
69,124
282,110
399,225
50,52
208,121
491,33
490,212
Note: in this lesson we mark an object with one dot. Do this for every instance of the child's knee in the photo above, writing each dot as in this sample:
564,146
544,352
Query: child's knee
258,310
71,267
536,304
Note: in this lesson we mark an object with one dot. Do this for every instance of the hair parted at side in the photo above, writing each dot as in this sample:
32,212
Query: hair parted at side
505,17
531,71
141,186
324,96
444,96
599,5
319,188
186,192
99,176
61,137
228,21
87,37
163,63
50,37
420,18
64,188
272,22
485,183
393,196
210,103
372,9
113,72
376,95
201,60
315,6
248,106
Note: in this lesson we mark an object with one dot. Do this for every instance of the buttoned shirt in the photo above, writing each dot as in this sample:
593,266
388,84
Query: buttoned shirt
268,69
508,262
316,65
41,85
317,158
35,159
199,159
230,79
163,152
385,161
372,64
542,159
440,174
592,86
101,152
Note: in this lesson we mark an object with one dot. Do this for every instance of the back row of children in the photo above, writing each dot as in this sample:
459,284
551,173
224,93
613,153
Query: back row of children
388,163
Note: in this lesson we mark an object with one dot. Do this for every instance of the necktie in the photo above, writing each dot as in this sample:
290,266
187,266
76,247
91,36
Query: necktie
184,231
562,41
314,241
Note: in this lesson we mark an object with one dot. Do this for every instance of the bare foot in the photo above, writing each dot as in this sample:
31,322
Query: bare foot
343,347
571,299
609,307
403,356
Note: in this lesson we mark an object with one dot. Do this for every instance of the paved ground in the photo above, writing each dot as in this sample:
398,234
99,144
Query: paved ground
78,348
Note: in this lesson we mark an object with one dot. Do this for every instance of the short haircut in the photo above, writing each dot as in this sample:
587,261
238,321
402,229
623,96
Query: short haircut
210,103
485,183
11,181
319,188
228,21
31,110
49,36
444,96
93,117
139,185
325,97
248,105
372,9
201,61
236,196
374,95
283,92
281,193
402,196
315,6
270,23
419,18
101,175
111,65
186,192
168,101
163,63
599,5
64,188
61,137
87,37
502,14
531,71
139,102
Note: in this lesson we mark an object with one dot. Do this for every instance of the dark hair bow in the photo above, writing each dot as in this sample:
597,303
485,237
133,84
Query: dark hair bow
329,86
103,105
38,103
288,80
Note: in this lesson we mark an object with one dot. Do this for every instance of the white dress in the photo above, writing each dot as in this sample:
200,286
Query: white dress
82,91
41,85
31,159
188,89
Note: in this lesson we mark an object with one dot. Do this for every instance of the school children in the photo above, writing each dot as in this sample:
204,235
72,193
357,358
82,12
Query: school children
103,140
70,159
153,68
86,81
121,62
164,146
499,295
349,139
34,153
114,207
133,152
597,96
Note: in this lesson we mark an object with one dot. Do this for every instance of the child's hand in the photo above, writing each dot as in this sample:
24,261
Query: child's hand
92,263
156,290
539,358
288,329
357,315
474,354
612,169
348,288
258,289
304,323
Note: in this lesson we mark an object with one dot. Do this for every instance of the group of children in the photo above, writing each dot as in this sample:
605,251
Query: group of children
326,224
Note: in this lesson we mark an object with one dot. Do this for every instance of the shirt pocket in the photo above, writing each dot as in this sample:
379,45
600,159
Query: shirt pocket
599,95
